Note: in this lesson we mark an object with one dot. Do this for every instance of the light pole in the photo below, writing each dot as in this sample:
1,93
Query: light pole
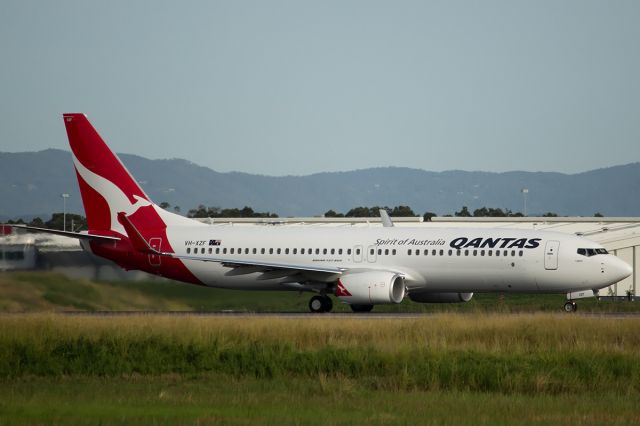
64,211
525,191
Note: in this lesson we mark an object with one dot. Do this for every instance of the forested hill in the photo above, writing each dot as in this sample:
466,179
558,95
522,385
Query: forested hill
31,184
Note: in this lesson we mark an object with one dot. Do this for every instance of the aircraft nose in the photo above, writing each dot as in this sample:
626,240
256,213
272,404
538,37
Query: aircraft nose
620,269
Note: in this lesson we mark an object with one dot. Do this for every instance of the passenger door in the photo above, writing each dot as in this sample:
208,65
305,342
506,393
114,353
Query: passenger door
551,255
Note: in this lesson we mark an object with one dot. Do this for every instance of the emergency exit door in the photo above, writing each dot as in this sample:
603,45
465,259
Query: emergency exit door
551,255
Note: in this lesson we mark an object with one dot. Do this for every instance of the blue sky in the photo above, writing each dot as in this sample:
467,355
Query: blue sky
297,87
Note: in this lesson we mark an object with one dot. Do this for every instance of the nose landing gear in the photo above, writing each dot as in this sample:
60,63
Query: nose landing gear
570,306
319,304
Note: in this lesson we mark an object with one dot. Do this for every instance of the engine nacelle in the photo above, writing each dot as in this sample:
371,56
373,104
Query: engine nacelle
426,297
371,288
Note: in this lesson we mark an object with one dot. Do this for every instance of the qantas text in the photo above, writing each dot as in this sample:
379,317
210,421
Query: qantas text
464,242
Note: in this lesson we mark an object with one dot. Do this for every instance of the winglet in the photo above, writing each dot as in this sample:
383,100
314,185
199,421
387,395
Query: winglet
137,240
386,220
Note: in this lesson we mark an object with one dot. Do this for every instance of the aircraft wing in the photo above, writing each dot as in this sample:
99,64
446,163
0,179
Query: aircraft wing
78,235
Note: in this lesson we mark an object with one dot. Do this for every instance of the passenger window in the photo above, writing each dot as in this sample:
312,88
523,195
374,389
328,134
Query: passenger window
278,251
301,251
262,250
202,250
481,252
386,252
513,253
520,253
379,252
371,251
426,252
324,251
490,252
339,251
188,250
224,250
466,252
393,252
286,251
433,252
349,252
506,253
450,252
441,252
246,251
358,251
458,252
317,251
409,252
210,250
217,250
295,251
475,252
333,251
255,250
271,250
231,250
497,252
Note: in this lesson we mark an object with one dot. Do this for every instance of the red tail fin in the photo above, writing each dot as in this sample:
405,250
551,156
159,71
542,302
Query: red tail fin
105,184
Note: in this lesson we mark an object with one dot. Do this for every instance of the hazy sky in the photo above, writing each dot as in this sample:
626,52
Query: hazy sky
296,87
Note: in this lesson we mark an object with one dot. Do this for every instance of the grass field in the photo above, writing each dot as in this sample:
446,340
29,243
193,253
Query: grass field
50,292
441,369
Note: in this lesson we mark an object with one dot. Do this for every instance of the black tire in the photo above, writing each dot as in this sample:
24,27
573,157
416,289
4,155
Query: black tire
361,308
570,306
327,304
317,304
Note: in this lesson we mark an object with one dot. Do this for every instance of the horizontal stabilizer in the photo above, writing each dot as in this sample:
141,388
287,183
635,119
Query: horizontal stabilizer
78,235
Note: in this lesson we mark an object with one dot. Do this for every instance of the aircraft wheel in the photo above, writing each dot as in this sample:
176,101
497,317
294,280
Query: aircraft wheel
327,304
361,308
317,304
570,306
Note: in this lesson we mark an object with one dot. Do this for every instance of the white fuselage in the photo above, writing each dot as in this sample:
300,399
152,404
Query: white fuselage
438,259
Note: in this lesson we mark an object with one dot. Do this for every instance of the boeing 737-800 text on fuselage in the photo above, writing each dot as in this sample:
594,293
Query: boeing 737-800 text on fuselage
360,266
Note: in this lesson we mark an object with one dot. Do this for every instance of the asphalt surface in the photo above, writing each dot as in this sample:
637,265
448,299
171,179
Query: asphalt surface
350,315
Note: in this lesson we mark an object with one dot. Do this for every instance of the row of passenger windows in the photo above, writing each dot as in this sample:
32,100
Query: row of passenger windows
458,252
232,250
380,252
591,252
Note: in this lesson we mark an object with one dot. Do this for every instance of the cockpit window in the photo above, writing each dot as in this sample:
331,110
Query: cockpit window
588,252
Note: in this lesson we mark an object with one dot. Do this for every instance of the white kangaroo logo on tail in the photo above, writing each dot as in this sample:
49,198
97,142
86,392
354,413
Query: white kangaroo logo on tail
116,199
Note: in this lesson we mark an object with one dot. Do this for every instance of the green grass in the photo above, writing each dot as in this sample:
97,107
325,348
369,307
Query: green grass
50,292
441,369
225,400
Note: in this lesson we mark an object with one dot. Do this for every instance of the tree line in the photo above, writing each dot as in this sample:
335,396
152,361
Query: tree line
76,222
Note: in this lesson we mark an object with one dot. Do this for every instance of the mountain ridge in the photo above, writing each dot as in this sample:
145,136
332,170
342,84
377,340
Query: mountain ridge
31,184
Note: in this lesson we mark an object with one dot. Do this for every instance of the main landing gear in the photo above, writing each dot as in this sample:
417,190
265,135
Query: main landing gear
570,306
319,304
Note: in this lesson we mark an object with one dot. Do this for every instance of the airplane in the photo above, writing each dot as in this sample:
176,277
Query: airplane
362,267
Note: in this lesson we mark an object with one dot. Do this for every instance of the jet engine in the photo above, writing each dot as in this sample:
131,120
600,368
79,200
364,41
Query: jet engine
427,297
371,288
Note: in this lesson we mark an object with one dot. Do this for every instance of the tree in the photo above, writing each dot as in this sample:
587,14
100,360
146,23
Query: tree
464,212
549,214
428,216
165,205
57,222
402,211
332,213
598,214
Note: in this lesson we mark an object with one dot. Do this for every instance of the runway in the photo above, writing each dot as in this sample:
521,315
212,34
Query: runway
341,315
